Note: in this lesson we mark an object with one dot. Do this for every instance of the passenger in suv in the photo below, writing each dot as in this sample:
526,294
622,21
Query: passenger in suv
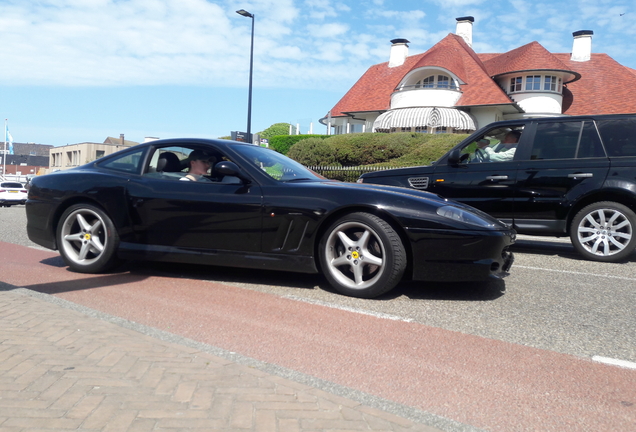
571,176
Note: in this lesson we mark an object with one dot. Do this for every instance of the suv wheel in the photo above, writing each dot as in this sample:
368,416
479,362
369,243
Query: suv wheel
604,231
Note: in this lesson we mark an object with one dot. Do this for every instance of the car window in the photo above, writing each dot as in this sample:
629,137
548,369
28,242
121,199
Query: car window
173,163
127,162
556,140
619,136
167,163
12,185
496,145
276,165
566,140
590,145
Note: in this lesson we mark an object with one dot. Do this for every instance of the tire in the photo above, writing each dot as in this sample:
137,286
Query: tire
604,231
361,255
87,239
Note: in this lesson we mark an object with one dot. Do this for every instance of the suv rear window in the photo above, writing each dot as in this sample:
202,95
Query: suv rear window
11,185
619,136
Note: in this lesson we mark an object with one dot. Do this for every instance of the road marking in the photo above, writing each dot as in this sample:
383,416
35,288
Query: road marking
575,272
615,362
349,309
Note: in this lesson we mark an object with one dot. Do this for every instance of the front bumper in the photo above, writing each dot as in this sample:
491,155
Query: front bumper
456,256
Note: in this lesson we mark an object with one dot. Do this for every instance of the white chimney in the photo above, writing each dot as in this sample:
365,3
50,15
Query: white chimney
399,52
465,29
582,45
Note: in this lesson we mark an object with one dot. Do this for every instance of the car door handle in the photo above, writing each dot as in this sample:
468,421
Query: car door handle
497,177
580,175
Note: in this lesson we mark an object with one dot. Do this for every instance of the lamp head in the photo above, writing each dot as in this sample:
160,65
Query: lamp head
245,13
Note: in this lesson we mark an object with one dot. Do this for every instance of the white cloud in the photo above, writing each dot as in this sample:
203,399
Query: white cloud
297,42
332,30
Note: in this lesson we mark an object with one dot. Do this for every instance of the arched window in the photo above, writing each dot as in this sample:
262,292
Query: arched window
437,81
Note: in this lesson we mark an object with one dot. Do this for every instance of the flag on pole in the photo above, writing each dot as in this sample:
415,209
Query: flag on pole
9,140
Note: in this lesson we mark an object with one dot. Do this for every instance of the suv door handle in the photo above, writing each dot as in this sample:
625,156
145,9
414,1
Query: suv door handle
497,177
581,175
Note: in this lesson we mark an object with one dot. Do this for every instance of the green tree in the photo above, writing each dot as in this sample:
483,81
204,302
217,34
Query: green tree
274,130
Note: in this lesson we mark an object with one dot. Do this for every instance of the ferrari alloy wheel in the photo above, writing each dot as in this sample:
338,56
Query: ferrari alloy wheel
87,239
362,256
604,231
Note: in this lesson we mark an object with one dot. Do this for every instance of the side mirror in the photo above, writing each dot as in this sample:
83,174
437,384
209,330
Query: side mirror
453,157
230,169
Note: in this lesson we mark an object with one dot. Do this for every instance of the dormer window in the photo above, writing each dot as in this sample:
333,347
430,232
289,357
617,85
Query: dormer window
540,83
437,81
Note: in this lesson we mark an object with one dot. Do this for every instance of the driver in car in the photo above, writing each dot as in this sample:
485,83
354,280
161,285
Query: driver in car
502,152
199,163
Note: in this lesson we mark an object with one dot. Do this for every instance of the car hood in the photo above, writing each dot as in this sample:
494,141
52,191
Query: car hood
407,198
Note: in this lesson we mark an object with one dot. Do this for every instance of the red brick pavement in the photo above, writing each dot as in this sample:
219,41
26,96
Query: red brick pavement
61,369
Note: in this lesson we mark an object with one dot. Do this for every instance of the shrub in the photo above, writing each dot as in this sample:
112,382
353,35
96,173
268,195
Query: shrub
434,147
282,143
312,151
397,149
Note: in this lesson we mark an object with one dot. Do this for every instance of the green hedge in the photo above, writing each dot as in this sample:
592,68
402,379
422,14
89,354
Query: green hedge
396,149
282,143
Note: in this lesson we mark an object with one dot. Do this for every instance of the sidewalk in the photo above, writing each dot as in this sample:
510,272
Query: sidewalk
70,368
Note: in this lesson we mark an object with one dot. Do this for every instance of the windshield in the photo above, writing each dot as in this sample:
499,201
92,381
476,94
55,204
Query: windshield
276,165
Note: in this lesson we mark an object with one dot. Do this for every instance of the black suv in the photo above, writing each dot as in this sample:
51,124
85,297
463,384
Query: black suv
571,176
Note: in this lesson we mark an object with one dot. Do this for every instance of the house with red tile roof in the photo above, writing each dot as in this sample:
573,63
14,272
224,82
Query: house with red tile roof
452,89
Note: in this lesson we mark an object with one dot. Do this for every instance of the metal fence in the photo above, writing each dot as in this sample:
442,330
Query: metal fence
346,174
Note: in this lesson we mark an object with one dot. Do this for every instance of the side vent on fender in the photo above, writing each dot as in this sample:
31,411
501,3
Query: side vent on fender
418,182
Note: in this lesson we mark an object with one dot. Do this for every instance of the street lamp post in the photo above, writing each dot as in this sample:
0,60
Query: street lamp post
245,13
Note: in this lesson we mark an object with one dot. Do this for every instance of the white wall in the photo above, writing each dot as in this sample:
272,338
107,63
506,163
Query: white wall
424,97
539,102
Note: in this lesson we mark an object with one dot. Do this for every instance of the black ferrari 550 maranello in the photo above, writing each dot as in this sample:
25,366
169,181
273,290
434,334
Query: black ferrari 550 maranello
253,207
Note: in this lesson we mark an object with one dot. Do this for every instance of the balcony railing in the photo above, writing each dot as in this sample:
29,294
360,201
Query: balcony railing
442,86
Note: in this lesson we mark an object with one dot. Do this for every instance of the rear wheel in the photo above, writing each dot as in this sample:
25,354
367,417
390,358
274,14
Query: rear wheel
604,231
87,239
362,256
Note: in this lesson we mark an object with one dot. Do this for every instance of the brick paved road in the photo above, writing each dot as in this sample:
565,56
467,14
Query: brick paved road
61,369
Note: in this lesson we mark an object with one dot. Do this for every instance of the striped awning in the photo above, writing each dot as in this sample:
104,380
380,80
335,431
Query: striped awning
430,117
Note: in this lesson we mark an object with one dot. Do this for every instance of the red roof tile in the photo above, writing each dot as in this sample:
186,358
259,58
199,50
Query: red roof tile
605,87
529,57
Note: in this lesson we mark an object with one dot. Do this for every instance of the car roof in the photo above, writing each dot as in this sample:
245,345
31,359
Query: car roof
560,118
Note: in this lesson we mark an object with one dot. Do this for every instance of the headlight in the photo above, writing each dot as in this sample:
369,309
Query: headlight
460,215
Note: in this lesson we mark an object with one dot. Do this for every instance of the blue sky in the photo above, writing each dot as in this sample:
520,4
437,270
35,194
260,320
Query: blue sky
81,70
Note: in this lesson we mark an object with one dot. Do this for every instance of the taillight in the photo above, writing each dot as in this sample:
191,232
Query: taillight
3,190
23,190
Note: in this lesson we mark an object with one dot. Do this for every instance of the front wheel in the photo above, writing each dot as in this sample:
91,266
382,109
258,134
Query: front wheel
87,239
604,231
362,256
